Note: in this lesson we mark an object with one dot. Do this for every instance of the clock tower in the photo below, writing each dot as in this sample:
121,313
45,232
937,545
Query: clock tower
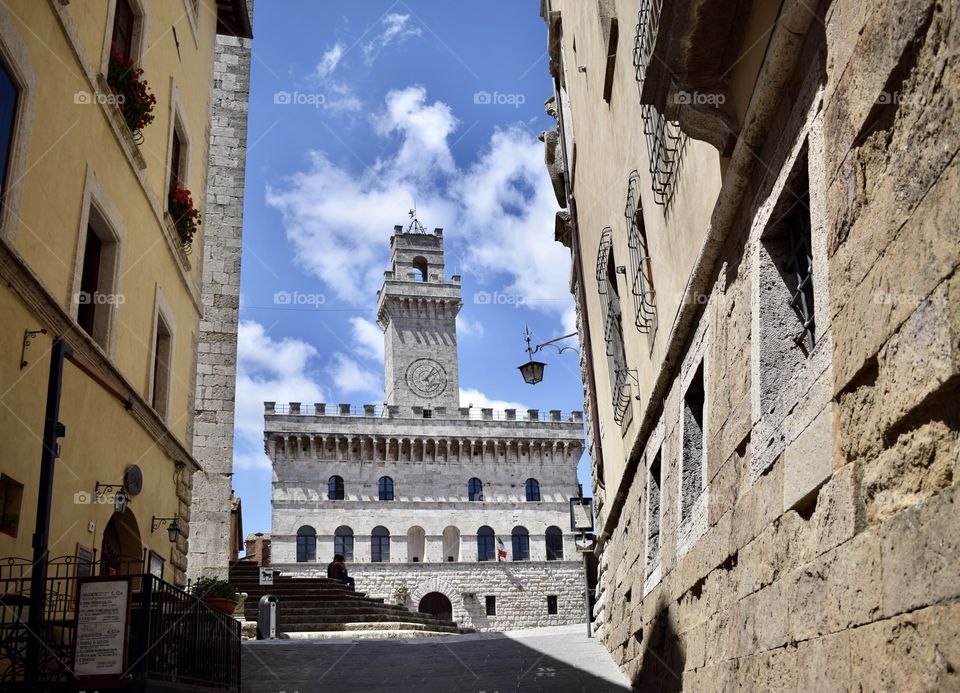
417,311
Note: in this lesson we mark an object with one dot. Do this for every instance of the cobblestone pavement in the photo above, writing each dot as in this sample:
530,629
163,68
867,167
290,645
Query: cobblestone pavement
557,659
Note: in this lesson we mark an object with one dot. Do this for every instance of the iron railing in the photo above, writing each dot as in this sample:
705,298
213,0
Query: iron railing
173,638
644,294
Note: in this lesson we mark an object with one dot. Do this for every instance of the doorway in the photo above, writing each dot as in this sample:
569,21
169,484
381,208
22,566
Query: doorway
437,605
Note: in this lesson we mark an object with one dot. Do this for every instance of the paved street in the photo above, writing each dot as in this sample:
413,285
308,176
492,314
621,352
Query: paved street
557,659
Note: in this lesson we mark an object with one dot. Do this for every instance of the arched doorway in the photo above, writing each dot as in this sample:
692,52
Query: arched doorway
121,551
437,605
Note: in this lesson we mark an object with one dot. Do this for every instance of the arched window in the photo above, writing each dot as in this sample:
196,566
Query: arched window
380,545
554,544
416,544
420,265
343,542
451,544
306,544
533,490
486,551
385,488
475,489
335,488
521,544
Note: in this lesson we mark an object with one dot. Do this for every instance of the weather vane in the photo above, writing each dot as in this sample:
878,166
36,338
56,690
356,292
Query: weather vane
415,225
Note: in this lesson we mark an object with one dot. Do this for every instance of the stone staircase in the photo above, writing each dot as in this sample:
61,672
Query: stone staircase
321,608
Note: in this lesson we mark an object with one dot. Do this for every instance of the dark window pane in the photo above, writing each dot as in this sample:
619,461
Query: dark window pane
554,544
521,544
533,490
335,488
89,282
123,22
485,545
491,604
475,489
8,111
306,544
552,604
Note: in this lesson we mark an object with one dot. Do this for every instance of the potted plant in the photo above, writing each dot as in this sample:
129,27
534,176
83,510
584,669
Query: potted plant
186,218
219,595
133,95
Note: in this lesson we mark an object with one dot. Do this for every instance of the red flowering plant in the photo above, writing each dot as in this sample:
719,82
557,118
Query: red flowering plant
133,93
185,215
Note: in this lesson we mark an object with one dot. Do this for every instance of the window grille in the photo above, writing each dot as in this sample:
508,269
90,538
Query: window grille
644,294
491,605
552,604
612,326
801,261
664,139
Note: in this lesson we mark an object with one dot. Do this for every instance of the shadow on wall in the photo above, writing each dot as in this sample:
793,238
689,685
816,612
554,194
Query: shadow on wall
663,660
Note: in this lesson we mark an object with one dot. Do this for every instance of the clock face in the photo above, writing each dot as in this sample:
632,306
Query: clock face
426,377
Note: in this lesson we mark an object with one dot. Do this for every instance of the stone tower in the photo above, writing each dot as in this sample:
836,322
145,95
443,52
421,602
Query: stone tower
417,310
210,529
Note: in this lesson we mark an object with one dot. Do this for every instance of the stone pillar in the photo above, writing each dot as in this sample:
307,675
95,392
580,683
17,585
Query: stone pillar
215,390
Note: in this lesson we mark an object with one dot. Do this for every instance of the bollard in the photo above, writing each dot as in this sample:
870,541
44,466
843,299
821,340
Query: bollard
267,618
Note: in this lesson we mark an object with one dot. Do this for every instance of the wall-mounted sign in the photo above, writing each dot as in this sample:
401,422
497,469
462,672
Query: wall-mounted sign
585,543
101,641
266,576
581,514
155,563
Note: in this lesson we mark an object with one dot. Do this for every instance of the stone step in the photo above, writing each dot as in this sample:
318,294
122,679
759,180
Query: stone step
289,620
364,634
330,627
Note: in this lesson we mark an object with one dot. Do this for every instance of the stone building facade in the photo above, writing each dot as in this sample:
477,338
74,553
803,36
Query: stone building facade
213,542
765,260
416,492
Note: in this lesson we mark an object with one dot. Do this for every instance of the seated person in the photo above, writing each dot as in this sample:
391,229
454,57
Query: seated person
337,570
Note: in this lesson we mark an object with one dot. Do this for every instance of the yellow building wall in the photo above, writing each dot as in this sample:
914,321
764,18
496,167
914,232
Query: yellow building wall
68,138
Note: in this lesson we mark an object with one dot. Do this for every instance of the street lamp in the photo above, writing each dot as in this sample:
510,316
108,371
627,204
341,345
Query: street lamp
173,529
532,371
120,496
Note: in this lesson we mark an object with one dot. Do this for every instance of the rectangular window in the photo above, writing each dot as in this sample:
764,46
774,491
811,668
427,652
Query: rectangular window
162,354
11,496
491,603
654,484
88,300
692,469
9,96
176,162
380,549
552,604
124,20
427,414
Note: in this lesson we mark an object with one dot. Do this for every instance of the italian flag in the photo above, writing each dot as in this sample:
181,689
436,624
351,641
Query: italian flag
501,550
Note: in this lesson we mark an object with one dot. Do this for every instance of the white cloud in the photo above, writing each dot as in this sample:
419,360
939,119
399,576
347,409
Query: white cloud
328,63
508,211
469,328
350,377
347,250
501,209
478,400
395,30
367,339
267,370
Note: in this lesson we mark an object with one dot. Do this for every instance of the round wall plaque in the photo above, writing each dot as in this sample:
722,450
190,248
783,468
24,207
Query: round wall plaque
133,480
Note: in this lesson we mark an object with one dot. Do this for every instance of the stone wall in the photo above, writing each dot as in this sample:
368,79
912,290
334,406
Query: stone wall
521,589
821,552
217,341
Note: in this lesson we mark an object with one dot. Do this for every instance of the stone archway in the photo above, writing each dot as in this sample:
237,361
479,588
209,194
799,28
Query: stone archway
431,586
437,605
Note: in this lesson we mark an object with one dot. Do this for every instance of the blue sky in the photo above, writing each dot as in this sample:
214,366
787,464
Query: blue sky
358,111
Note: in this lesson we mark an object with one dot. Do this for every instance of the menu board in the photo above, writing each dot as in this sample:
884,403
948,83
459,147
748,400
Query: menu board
101,627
